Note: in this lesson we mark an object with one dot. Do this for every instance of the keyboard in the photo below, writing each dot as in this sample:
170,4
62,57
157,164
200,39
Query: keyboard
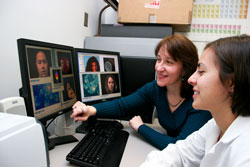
94,123
100,147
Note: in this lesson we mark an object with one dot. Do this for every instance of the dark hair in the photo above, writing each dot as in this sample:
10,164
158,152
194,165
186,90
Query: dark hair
233,58
182,49
89,64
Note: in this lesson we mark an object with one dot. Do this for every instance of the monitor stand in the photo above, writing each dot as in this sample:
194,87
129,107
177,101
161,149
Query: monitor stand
64,129
61,140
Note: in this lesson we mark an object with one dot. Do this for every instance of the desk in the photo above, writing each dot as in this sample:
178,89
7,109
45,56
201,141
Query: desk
134,154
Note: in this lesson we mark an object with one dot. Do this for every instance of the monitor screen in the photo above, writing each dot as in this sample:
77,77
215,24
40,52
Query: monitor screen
99,76
48,81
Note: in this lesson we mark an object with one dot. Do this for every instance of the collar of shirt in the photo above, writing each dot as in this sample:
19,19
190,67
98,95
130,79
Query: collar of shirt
240,125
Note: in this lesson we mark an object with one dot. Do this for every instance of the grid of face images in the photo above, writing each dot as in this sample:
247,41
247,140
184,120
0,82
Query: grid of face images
51,79
99,76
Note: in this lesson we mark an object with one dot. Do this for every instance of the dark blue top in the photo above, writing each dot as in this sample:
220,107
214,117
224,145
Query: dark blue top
179,124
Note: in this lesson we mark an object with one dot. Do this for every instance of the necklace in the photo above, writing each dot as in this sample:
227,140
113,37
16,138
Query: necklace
175,105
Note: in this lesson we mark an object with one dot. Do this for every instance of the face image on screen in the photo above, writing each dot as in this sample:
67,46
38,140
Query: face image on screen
39,62
48,84
69,89
92,63
102,81
64,62
110,83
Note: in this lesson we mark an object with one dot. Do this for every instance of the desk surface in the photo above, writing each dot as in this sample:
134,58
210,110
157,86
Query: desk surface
134,154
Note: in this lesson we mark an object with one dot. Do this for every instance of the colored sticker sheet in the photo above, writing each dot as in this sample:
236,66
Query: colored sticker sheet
221,9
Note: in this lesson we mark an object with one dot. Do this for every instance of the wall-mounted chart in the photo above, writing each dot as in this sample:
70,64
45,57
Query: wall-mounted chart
212,19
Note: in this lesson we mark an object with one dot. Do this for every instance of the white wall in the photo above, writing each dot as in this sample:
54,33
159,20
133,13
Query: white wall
56,21
110,16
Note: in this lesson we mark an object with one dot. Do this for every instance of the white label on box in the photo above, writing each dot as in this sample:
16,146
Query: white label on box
154,5
152,18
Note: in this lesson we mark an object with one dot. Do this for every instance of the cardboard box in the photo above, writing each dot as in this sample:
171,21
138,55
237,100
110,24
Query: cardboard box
155,11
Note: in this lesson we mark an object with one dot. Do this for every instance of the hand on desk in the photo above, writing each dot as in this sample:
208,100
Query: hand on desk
136,122
81,112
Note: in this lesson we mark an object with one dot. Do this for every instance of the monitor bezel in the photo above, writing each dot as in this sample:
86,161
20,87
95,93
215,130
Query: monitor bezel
76,70
25,90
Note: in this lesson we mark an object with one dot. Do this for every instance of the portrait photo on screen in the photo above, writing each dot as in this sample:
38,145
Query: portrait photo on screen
92,63
39,61
90,85
44,96
109,64
64,61
69,89
110,83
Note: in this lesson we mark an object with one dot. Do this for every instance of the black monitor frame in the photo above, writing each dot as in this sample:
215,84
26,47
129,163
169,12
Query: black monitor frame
27,78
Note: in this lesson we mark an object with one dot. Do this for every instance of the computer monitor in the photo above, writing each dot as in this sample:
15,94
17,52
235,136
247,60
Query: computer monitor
98,77
136,72
48,81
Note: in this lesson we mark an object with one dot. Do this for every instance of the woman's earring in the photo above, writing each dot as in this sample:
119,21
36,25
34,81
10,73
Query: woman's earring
182,78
